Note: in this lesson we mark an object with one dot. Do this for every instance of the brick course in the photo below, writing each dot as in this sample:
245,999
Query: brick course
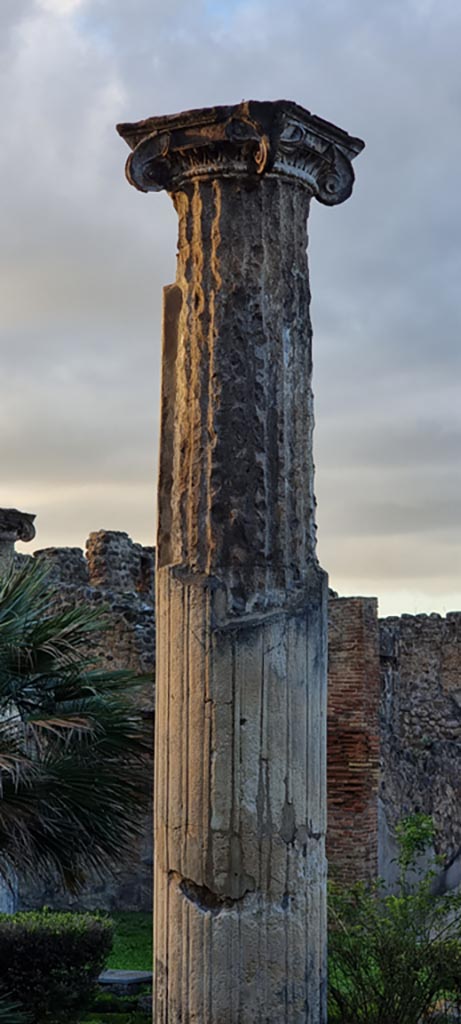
353,738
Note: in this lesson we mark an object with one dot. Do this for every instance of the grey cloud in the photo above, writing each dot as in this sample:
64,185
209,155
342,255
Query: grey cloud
391,444
11,15
391,517
399,560
84,257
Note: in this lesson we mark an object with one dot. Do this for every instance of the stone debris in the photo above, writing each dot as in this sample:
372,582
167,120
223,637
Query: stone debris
124,983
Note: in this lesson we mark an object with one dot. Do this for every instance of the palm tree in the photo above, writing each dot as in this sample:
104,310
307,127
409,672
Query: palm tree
74,747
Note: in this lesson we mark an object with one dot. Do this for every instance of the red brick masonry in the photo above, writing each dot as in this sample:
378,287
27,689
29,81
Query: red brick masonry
354,691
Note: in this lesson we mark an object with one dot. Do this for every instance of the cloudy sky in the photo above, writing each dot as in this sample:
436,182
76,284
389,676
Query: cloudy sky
84,258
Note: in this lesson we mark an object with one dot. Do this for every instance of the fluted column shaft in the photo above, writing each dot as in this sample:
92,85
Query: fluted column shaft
240,929
240,726
236,483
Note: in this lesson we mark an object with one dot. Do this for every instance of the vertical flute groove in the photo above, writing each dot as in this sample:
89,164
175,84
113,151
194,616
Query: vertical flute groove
238,815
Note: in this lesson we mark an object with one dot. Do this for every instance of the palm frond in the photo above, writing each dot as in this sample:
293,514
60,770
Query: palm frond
74,748
11,1012
72,817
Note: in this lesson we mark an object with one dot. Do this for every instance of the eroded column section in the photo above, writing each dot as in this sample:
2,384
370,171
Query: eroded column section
241,600
14,526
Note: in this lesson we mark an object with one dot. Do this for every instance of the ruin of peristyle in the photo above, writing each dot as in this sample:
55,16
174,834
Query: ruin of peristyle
242,631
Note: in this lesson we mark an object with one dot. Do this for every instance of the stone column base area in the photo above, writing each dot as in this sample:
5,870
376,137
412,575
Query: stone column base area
239,845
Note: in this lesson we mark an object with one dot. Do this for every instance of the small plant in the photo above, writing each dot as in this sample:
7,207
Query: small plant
414,835
49,963
394,958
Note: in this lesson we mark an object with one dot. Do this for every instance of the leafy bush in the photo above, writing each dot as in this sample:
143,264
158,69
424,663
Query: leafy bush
116,1018
49,962
414,835
392,957
109,1002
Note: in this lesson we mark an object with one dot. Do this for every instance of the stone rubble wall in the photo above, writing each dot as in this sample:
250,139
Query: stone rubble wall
119,576
394,698
421,723
394,734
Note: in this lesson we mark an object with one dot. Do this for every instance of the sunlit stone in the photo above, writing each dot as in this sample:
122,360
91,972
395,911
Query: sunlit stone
241,600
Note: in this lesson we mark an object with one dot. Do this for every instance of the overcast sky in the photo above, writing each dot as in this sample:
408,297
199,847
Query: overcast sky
84,258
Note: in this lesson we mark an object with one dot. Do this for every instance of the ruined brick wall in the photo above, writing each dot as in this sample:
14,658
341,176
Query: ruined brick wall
118,575
353,738
394,684
394,718
421,722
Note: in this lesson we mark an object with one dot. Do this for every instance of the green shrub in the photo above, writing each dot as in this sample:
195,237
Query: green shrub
74,745
109,1002
393,957
116,1018
49,962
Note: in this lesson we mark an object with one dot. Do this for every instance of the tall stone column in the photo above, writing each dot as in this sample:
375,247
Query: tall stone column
241,599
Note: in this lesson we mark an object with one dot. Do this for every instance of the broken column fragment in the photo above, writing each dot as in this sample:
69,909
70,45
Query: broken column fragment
241,600
14,526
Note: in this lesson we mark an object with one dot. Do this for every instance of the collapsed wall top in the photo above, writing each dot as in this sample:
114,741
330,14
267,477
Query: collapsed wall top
248,140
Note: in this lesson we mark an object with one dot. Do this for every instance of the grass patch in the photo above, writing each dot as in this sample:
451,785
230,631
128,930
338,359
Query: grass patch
132,948
108,1002
115,1018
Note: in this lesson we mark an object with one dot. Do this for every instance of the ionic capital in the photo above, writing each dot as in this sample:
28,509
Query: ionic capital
247,141
15,525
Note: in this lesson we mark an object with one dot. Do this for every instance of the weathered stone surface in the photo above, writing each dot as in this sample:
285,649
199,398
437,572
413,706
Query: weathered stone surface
124,983
64,566
421,722
247,141
241,600
17,525
14,526
417,723
240,806
116,563
118,576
